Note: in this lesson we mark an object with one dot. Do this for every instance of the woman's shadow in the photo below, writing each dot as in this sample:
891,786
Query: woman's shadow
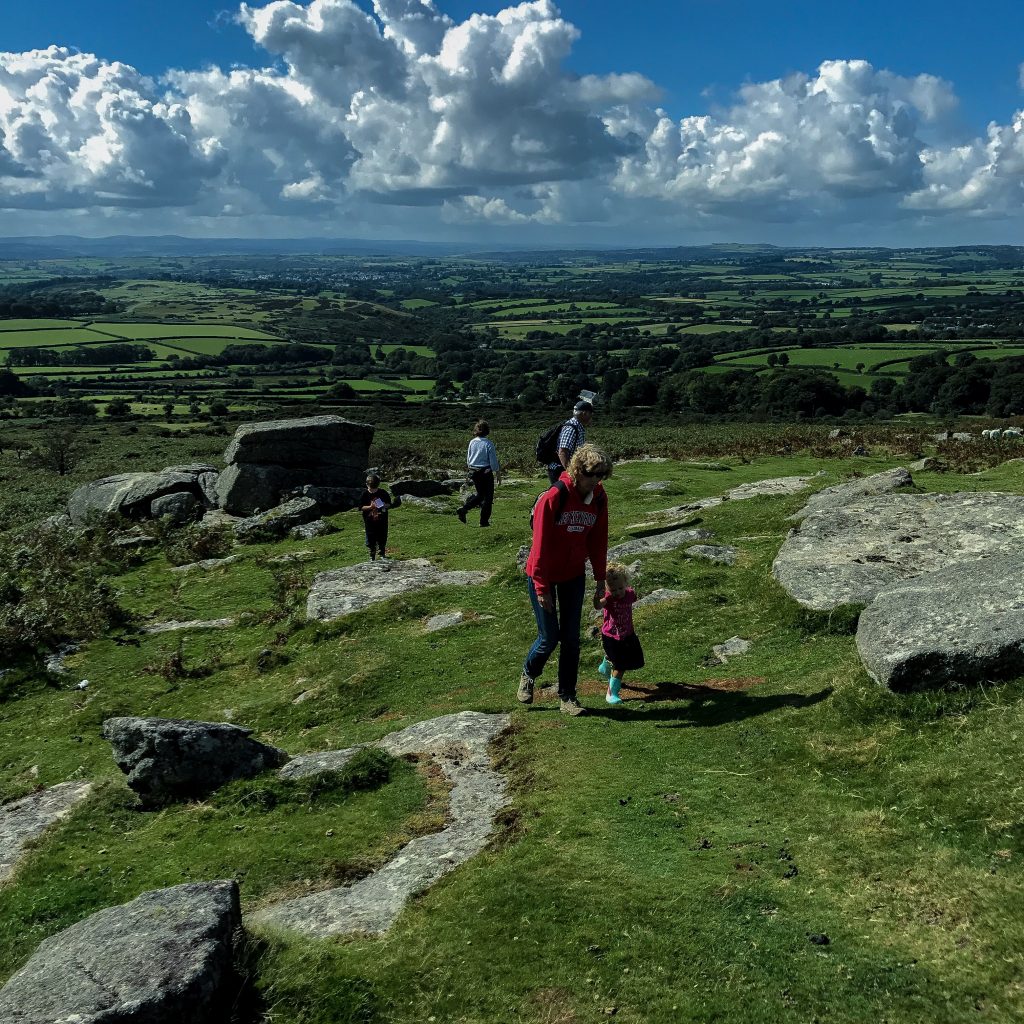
705,705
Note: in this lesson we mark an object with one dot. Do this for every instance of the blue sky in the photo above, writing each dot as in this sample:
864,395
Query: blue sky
355,133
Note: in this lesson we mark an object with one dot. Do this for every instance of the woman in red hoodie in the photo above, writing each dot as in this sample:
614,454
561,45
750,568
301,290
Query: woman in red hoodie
570,525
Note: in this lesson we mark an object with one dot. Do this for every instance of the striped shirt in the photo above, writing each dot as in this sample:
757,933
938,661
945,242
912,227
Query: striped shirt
482,454
571,437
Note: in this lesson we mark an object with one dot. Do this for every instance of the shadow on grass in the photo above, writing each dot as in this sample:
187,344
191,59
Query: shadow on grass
713,703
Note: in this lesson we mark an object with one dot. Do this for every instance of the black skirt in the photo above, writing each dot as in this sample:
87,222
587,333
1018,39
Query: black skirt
626,654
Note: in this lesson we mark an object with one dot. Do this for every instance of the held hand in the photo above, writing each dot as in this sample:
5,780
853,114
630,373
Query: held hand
547,602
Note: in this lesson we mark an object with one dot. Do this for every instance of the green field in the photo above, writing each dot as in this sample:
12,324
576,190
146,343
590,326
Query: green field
169,331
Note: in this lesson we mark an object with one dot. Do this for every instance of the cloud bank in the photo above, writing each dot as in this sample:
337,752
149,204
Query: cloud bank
407,120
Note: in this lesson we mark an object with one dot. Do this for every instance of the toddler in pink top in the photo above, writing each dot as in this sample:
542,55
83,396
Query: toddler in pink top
622,650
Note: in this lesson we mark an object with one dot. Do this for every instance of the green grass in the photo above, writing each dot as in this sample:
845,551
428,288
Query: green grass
169,331
646,862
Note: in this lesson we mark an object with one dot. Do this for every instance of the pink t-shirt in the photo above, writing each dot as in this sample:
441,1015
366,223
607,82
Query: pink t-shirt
618,615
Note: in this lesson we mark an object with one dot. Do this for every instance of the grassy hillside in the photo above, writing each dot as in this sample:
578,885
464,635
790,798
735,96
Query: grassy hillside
672,860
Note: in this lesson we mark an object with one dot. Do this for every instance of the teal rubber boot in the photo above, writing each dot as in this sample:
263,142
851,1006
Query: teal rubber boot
604,669
613,691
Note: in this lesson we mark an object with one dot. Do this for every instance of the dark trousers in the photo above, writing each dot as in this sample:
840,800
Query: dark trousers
561,629
376,535
483,481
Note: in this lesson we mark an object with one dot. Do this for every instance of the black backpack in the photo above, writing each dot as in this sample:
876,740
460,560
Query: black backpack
563,497
547,444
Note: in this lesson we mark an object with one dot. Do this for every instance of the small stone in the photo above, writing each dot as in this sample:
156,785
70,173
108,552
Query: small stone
819,939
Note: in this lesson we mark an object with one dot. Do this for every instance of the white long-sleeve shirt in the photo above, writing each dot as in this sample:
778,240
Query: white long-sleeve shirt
482,454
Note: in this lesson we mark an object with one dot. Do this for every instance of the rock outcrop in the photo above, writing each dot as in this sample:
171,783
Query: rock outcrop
134,494
163,958
267,460
168,759
340,592
847,555
960,624
458,744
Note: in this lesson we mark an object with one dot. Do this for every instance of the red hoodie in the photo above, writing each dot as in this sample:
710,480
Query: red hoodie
560,549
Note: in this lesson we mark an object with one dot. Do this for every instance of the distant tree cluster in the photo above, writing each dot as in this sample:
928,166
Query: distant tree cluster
80,355
55,299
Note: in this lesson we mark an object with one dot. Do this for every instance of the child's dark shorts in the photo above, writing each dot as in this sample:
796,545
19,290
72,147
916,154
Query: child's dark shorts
626,654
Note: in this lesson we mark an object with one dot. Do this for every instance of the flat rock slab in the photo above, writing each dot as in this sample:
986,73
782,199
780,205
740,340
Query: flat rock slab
164,958
847,555
659,542
459,744
168,759
724,554
960,624
175,625
206,564
340,592
841,495
658,596
655,485
23,820
775,487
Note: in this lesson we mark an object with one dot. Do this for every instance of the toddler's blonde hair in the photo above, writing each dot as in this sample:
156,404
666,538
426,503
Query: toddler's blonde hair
616,571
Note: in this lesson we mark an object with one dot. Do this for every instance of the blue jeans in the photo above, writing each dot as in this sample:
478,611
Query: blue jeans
561,629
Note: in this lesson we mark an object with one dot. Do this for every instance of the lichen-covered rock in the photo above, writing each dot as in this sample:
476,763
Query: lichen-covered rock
168,759
847,555
841,495
961,624
340,592
163,958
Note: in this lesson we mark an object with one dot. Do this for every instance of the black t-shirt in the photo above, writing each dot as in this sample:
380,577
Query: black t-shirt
367,498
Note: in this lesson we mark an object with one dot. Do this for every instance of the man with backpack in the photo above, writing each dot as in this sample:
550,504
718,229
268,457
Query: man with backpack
570,435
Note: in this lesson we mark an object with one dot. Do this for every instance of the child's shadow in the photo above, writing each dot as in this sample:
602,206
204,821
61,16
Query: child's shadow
708,705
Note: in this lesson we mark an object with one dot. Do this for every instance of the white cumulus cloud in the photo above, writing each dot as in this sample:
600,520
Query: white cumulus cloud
359,111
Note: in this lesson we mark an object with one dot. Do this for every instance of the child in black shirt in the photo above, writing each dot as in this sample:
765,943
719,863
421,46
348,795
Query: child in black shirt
374,504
